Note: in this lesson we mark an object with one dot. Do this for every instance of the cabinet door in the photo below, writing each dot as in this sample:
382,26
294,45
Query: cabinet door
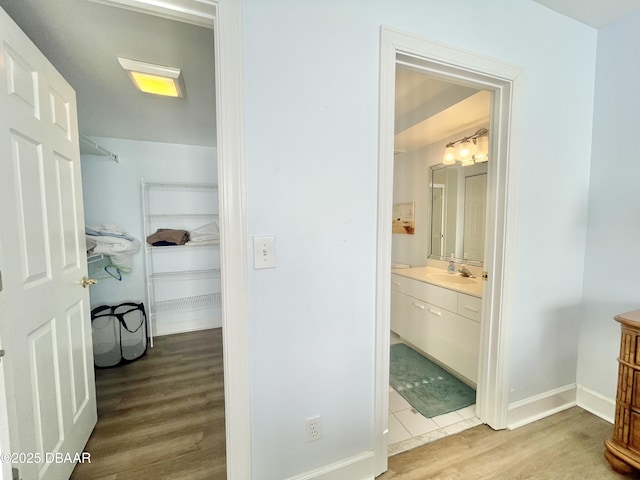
398,313
407,316
452,340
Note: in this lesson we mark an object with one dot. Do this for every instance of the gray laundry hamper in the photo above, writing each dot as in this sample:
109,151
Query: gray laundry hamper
120,334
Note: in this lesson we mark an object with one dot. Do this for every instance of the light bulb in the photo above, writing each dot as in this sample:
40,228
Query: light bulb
449,155
465,151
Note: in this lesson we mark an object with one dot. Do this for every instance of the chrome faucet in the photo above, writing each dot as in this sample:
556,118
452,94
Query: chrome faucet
465,272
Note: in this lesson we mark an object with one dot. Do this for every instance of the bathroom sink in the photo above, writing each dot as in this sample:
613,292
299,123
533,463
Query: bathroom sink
451,279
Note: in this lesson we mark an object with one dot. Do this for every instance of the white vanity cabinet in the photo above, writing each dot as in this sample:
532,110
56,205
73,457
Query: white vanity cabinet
443,323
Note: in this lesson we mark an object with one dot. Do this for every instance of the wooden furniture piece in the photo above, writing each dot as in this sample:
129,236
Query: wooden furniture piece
622,450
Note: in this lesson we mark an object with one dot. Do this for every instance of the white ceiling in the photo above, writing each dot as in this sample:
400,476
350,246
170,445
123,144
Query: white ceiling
596,13
83,40
429,110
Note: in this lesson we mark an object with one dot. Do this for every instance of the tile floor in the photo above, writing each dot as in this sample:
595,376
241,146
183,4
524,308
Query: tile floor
409,429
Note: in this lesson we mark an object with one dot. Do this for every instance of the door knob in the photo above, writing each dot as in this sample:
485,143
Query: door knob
88,281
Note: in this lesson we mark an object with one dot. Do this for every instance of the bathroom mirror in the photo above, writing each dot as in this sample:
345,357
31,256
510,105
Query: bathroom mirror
458,212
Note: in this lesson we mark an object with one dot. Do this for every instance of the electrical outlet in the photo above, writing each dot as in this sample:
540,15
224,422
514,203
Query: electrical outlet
313,428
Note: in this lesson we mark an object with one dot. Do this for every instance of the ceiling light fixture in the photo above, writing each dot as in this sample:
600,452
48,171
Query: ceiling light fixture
468,150
154,79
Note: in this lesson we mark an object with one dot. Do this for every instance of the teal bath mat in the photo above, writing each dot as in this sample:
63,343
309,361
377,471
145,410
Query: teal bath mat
429,389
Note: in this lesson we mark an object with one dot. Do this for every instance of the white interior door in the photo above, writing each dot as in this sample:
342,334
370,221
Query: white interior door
45,327
475,201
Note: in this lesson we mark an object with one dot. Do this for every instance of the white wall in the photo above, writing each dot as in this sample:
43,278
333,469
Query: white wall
411,179
411,184
311,99
611,280
112,194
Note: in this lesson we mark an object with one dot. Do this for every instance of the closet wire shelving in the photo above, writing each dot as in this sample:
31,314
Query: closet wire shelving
183,304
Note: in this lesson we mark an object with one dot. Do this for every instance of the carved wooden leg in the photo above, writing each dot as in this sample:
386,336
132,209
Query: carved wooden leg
616,464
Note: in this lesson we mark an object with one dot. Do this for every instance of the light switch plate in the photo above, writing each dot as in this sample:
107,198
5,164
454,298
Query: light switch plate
264,252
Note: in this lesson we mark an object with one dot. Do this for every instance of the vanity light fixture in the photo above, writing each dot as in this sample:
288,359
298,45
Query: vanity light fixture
468,150
154,79
465,150
482,149
449,155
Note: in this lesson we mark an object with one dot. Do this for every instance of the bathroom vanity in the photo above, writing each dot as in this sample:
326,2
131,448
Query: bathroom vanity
440,314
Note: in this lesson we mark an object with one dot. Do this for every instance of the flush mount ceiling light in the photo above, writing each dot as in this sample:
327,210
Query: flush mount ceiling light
154,79
468,150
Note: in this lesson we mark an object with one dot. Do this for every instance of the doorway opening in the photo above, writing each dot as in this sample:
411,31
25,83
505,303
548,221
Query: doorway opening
503,81
228,92
435,310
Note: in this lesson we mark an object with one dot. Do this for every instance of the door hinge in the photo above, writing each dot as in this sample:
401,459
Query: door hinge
15,474
0,280
2,354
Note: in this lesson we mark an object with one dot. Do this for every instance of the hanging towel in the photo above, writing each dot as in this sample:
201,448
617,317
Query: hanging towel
107,230
119,249
168,236
113,241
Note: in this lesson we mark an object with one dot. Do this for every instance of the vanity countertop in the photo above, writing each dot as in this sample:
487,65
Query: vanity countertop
435,276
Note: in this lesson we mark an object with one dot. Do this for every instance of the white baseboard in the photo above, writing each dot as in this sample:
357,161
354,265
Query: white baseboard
358,467
596,403
540,406
186,325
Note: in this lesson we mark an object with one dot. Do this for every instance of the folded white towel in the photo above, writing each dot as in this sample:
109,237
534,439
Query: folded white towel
206,233
212,241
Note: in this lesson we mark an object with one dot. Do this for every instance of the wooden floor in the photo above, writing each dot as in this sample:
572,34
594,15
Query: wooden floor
565,446
162,416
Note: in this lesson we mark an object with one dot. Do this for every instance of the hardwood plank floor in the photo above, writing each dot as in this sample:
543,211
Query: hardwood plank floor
162,416
565,446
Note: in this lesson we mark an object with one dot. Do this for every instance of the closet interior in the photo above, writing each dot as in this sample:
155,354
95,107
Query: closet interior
164,197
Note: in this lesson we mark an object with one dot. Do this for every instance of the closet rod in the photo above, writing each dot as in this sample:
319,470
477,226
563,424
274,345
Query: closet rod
103,151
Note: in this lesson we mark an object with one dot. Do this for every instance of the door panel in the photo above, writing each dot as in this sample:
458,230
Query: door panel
45,326
475,206
60,113
66,203
45,383
76,331
22,81
26,156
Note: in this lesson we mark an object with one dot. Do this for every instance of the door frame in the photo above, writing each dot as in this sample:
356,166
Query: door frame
229,78
229,91
505,81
